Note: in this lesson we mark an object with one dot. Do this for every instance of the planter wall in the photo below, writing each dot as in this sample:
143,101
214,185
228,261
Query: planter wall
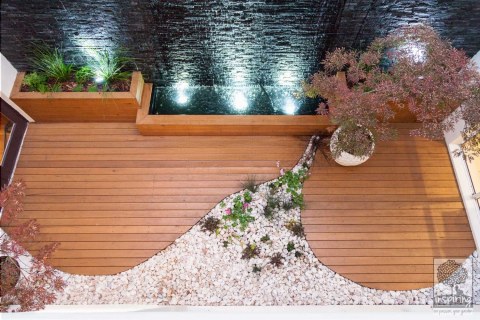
80,106
225,125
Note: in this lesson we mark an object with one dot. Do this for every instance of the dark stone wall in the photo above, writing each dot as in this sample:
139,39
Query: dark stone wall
224,41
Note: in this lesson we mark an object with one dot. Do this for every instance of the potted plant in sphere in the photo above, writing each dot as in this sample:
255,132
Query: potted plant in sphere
361,113
412,69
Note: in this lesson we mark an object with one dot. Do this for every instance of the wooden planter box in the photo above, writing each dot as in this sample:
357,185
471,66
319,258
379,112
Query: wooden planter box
225,125
80,106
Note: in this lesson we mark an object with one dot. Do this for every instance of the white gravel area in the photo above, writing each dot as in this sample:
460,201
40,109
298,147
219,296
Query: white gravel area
206,268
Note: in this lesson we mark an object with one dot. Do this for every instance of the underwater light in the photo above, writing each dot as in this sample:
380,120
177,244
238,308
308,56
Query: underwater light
182,96
239,101
290,106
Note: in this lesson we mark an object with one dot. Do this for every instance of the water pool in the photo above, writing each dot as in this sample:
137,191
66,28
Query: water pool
184,99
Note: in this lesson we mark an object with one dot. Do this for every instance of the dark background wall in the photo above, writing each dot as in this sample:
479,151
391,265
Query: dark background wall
224,41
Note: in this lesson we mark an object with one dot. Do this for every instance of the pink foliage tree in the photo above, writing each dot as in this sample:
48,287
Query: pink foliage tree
411,68
37,281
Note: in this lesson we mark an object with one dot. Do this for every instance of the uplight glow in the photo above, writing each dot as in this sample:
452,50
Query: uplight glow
290,106
239,101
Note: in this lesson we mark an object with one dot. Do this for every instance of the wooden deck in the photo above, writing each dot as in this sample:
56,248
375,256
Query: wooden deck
382,223
114,198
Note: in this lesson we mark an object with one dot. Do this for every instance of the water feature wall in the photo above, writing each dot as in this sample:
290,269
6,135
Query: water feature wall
232,42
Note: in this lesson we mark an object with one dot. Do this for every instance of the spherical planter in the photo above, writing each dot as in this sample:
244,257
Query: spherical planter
345,158
9,274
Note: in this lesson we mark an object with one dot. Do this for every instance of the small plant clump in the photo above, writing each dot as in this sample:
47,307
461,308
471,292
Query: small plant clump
293,182
298,254
288,205
256,269
51,63
225,244
250,251
210,224
36,81
290,246
110,65
240,214
265,238
250,183
277,260
272,206
296,228
83,75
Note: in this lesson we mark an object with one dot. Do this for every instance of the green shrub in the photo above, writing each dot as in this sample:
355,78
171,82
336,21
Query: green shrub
36,81
51,63
109,66
265,238
83,75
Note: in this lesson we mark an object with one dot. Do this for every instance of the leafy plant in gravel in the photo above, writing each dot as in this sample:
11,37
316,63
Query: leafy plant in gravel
288,205
296,228
290,246
250,183
298,254
265,238
277,259
256,269
210,224
50,62
293,182
250,251
240,215
271,207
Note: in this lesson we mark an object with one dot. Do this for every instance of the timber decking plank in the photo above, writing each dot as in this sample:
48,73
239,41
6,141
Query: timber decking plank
113,198
382,223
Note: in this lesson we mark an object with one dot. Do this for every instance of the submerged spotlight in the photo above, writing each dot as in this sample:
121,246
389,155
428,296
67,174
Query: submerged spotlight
290,106
239,101
182,96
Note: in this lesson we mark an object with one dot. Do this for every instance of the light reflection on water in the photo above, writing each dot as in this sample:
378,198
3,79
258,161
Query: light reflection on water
225,100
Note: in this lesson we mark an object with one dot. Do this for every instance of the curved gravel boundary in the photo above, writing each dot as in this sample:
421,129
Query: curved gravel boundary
206,268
